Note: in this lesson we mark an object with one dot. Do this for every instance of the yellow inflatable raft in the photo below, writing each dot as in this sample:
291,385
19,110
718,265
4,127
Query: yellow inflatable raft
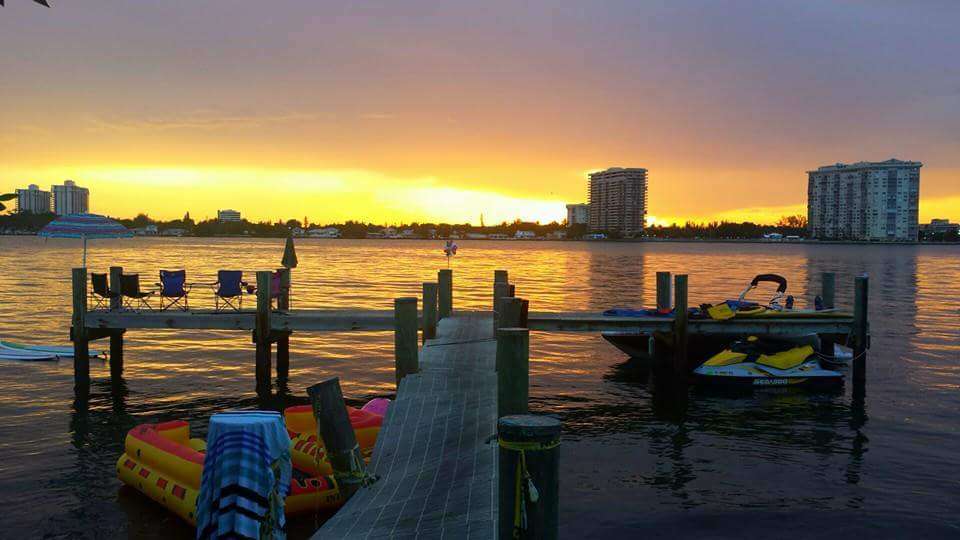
307,453
164,463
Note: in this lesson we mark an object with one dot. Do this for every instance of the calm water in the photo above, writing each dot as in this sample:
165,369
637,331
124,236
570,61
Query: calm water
638,456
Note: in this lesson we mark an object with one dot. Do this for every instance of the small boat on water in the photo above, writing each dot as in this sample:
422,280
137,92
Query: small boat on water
37,353
767,363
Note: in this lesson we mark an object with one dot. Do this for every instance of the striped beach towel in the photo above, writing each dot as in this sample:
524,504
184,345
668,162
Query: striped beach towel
246,477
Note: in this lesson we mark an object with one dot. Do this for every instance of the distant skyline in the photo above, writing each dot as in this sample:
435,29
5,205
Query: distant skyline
426,111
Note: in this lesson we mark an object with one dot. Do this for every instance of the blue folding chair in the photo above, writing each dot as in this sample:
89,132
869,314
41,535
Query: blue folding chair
228,290
174,290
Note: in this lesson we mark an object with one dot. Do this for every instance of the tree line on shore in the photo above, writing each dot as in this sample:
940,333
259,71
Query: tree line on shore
787,226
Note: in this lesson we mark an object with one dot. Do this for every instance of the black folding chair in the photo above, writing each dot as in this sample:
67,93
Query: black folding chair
101,294
130,290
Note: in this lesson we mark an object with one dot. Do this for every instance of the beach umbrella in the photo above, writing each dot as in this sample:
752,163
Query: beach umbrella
85,226
289,254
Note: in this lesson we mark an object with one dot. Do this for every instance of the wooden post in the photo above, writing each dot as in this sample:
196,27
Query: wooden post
283,339
828,289
429,310
336,432
537,439
861,328
116,275
116,336
81,347
663,291
444,293
513,371
680,324
283,356
510,312
500,276
263,330
406,355
283,302
500,290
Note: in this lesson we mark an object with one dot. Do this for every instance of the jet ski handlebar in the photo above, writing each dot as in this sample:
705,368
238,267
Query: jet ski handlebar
773,278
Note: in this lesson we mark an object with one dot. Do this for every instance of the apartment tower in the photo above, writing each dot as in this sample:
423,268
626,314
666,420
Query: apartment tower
864,201
70,199
33,200
618,201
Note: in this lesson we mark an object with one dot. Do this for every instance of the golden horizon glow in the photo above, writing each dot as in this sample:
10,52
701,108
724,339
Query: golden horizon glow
329,196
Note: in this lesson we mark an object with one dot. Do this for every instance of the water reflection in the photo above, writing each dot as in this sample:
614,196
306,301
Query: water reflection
637,447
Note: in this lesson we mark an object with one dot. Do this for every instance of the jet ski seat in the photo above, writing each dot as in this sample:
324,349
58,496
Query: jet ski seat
788,359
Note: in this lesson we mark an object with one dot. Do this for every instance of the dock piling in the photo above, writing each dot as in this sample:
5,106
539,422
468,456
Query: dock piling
680,320
444,293
510,312
663,291
861,328
429,310
406,354
500,290
263,330
529,465
81,346
336,432
283,338
116,336
828,289
513,371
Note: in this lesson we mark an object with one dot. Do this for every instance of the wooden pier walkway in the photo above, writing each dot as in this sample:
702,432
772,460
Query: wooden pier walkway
436,456
441,469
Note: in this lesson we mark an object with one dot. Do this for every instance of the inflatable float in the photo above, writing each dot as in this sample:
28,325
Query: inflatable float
164,463
308,454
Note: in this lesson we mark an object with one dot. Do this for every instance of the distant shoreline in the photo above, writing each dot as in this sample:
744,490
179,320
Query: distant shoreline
609,240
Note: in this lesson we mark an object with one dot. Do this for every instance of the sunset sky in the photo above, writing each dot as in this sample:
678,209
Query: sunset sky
412,110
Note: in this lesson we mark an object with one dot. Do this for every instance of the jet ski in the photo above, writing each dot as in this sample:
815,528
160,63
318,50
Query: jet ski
767,363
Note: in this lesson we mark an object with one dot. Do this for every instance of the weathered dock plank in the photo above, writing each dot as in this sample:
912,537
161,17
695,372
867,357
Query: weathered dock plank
435,457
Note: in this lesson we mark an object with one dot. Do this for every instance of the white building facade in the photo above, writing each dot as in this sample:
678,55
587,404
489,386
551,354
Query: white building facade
618,201
578,214
70,199
33,200
865,201
227,215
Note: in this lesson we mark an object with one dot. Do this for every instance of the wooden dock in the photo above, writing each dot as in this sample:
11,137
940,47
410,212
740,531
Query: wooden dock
453,444
436,454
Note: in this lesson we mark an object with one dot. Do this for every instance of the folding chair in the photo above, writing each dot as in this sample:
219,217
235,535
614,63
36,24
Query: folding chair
130,291
101,295
228,290
174,290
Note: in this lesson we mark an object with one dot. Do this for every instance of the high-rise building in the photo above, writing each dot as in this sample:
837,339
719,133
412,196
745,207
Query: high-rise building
33,200
864,201
70,199
228,215
618,200
578,214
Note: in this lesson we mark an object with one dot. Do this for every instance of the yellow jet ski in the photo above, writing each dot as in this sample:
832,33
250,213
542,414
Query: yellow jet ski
767,363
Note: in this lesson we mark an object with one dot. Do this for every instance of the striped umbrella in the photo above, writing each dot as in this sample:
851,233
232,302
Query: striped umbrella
85,226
